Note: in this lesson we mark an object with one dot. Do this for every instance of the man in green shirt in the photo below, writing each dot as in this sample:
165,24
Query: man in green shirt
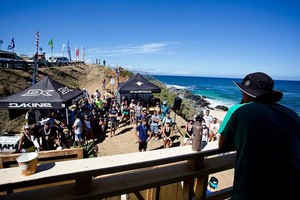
266,137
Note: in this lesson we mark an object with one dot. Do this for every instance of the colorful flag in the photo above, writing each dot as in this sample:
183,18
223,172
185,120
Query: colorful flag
12,44
69,51
37,39
63,48
83,53
51,43
77,52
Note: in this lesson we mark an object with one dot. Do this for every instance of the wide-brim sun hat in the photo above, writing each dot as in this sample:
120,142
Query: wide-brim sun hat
259,86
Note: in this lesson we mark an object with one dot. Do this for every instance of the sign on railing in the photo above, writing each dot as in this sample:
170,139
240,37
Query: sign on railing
8,143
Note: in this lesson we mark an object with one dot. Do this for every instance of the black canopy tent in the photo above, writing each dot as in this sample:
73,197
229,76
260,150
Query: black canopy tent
46,94
136,85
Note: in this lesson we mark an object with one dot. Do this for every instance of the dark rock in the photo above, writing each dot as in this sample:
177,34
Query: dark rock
224,108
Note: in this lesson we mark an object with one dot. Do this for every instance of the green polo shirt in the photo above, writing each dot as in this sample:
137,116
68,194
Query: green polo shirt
267,141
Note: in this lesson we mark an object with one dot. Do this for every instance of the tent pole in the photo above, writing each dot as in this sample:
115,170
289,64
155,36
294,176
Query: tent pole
67,116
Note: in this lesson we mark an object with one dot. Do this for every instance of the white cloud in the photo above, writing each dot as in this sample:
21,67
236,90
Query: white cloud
134,50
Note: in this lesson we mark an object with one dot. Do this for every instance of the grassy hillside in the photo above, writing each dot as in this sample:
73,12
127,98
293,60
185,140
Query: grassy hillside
13,81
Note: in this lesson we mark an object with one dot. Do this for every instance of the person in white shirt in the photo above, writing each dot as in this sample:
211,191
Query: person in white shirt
214,130
207,118
97,94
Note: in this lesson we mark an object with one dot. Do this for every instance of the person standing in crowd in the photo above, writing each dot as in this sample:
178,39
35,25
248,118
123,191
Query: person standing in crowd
87,127
103,83
142,116
64,135
138,112
165,108
97,94
78,128
132,106
167,119
26,142
86,95
47,135
205,135
266,138
143,134
154,125
167,133
113,114
207,118
214,130
188,138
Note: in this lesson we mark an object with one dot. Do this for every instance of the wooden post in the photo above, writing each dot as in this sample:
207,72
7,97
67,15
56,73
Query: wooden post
188,189
200,187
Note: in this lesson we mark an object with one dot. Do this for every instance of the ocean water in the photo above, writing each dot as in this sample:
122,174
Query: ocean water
221,91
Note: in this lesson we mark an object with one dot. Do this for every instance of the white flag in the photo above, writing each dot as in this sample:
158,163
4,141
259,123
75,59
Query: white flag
63,48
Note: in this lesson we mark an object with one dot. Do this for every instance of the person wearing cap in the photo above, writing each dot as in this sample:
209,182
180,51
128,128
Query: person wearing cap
165,108
266,137
143,134
213,185
167,119
25,143
142,116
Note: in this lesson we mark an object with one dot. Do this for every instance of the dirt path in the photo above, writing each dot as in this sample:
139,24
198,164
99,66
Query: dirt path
125,139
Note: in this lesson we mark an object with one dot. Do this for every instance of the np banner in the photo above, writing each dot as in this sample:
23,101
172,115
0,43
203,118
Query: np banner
8,143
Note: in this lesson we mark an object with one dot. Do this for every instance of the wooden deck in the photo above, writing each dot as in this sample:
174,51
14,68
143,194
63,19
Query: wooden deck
120,174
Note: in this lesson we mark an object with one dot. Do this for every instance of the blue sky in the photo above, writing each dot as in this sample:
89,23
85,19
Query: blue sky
191,37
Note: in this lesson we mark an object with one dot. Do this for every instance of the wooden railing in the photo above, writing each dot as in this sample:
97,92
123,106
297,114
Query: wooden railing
143,173
6,160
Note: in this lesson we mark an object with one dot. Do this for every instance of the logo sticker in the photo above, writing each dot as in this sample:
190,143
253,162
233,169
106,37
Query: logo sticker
247,83
64,90
38,92
139,83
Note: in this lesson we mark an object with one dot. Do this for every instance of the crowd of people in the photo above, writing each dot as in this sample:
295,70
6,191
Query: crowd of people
209,129
99,114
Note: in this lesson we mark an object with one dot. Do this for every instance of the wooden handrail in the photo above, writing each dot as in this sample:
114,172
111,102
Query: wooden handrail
107,176
44,156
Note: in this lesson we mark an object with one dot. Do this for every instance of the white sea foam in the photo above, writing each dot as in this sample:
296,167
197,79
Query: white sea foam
221,102
176,86
180,87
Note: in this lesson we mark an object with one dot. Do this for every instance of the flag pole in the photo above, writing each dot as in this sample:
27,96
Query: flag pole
37,38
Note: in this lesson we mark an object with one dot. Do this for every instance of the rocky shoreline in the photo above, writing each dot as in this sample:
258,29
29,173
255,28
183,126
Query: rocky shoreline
198,102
